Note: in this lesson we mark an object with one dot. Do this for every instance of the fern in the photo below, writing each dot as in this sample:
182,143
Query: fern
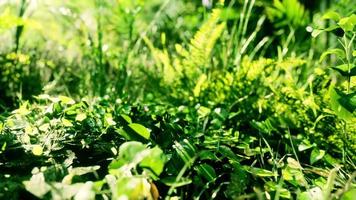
202,44
287,12
191,62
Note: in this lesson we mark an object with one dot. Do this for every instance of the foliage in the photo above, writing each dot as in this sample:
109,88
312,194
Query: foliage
177,100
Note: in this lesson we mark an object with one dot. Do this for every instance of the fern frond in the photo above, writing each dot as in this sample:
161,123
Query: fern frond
202,44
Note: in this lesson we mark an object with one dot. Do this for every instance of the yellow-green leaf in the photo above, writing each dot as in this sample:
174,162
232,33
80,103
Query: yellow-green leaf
37,150
66,122
80,117
141,130
66,100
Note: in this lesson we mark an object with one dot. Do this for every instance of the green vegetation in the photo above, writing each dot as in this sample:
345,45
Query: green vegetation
177,99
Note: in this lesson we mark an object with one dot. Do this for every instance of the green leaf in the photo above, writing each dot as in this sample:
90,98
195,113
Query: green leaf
208,155
203,111
316,155
304,146
66,100
66,122
312,194
317,32
260,172
338,101
186,151
80,117
37,185
109,121
123,133
349,195
126,118
331,160
141,130
334,29
229,14
273,186
44,127
340,53
332,15
344,70
155,160
127,153
348,23
348,101
206,171
354,53
131,188
294,164
294,176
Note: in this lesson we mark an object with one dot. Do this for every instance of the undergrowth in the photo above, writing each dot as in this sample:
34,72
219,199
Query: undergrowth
177,100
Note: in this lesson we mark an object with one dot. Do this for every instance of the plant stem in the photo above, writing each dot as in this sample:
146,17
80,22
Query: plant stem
347,47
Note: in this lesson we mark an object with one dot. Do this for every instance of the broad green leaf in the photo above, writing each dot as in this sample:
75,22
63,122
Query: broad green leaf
206,171
344,70
331,160
141,130
37,185
126,118
207,155
348,101
332,15
294,176
354,53
337,107
348,23
304,146
127,153
154,160
340,53
123,133
131,188
316,155
80,117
